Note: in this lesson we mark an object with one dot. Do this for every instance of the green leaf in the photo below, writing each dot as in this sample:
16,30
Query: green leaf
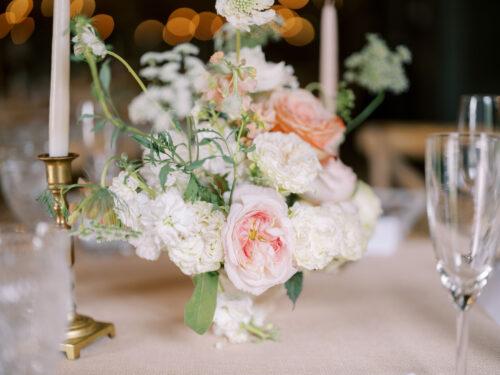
294,287
46,199
105,76
200,309
99,125
164,172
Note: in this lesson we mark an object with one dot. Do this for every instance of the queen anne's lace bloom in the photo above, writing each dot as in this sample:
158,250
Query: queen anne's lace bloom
87,39
200,251
326,233
287,163
244,13
377,68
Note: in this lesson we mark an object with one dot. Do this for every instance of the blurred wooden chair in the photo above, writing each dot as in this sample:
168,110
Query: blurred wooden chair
390,146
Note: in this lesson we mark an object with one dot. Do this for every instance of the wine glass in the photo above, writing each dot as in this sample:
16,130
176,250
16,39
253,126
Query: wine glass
34,298
479,113
463,207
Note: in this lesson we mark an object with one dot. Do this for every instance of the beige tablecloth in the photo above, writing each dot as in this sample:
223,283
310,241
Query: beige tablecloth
380,316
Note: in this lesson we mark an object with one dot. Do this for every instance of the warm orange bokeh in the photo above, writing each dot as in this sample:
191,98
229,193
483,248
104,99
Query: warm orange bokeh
75,8
18,10
294,4
305,34
22,31
5,27
148,33
47,7
104,24
205,31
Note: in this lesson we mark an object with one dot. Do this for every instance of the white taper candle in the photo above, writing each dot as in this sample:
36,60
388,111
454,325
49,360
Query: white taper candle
328,68
59,81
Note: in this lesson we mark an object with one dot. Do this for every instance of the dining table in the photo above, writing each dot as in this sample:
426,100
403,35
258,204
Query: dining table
382,315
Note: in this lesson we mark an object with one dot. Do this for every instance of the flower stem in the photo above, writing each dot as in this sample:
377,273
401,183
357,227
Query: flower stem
102,99
105,169
375,103
130,70
238,46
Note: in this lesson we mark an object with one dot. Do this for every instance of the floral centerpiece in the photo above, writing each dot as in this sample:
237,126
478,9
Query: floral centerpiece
240,182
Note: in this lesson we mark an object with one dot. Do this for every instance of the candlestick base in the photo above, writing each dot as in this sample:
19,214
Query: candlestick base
83,331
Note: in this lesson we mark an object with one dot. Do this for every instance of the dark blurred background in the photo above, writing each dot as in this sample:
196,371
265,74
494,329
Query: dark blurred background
454,45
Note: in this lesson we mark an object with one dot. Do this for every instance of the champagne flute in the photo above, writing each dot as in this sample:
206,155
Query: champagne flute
463,207
479,113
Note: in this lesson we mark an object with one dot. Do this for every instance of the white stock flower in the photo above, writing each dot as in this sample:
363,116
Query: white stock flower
168,216
200,251
87,39
146,108
148,246
287,162
324,234
377,68
368,205
269,76
233,312
244,13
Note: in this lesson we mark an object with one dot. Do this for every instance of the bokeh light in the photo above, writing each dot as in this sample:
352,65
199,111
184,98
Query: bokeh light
148,33
304,36
5,27
104,24
205,29
18,10
291,27
294,4
47,7
188,13
76,7
172,39
22,31
88,8
217,23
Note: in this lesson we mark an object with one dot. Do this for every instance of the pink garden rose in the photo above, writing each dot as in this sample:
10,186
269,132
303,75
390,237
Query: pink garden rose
258,240
335,183
298,111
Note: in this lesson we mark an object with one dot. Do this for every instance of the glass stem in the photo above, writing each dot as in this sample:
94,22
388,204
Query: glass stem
462,342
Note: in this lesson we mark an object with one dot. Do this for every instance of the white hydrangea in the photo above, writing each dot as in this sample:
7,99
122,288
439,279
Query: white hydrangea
377,68
326,234
369,207
286,162
233,312
200,251
269,76
244,13
87,40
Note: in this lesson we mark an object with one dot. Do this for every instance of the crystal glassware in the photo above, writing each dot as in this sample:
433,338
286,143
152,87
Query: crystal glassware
463,207
479,113
34,298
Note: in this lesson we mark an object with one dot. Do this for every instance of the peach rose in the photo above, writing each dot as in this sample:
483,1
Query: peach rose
335,183
258,240
300,112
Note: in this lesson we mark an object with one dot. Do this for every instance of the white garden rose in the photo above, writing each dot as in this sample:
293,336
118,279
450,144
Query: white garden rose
233,312
287,163
335,183
201,251
269,76
368,205
324,234
244,13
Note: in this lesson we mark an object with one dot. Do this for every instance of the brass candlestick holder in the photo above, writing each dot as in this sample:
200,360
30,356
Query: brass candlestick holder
82,330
